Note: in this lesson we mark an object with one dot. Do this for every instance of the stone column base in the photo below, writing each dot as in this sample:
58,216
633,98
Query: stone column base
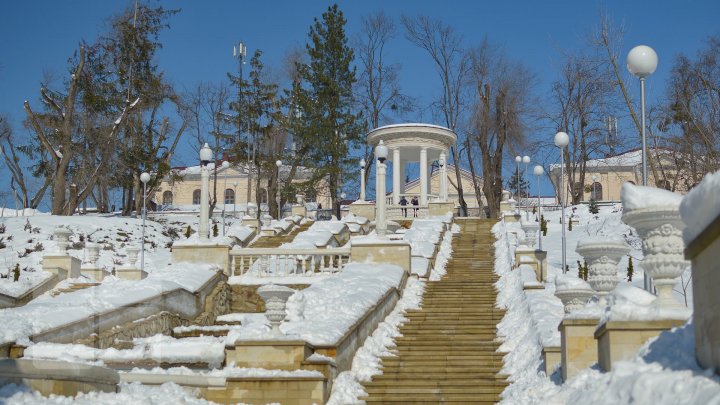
363,209
216,253
269,354
299,210
437,208
62,265
391,251
620,340
578,348
535,258
552,358
130,274
94,273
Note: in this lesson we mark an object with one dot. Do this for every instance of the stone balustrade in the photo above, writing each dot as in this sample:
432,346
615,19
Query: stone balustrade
277,262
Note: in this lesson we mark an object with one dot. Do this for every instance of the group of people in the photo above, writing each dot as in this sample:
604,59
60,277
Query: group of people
404,202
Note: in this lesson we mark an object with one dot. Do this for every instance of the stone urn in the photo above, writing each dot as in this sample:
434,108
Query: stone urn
573,292
275,297
92,253
132,253
300,198
660,229
62,236
602,256
266,220
531,232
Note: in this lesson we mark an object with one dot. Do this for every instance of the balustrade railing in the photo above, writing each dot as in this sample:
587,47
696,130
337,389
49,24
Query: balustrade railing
407,211
278,262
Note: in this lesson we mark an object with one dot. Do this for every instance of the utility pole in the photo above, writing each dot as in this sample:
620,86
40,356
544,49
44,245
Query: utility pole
240,52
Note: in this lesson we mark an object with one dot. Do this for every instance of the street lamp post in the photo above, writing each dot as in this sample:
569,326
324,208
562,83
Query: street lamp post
205,158
526,160
381,153
235,183
443,178
362,180
225,164
144,178
561,141
278,164
518,159
539,171
642,62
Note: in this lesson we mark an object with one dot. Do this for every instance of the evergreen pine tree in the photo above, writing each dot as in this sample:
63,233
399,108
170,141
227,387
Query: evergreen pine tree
215,230
570,224
585,270
580,270
594,209
326,101
512,184
543,225
16,272
188,232
630,269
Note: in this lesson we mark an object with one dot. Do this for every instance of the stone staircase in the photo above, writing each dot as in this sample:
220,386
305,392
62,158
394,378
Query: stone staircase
447,353
277,240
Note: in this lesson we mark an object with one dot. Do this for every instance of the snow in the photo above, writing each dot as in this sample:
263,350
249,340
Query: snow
322,313
27,280
701,206
130,393
629,303
570,282
638,197
47,312
159,348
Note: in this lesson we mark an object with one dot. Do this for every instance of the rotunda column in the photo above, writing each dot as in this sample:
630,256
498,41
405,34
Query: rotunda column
443,177
423,176
396,176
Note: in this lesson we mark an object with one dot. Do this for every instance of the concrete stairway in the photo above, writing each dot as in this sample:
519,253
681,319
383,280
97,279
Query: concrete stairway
276,241
447,351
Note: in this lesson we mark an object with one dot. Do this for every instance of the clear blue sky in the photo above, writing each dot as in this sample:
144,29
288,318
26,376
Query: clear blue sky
39,36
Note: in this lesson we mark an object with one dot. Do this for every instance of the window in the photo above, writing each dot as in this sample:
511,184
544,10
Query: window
196,197
229,196
596,191
167,197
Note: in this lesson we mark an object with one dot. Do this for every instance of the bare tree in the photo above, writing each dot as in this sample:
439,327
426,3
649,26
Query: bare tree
453,65
502,106
55,129
9,151
378,85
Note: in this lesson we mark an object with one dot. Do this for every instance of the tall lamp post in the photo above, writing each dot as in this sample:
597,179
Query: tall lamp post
144,178
235,183
539,171
518,159
642,62
278,164
443,178
362,179
526,160
561,141
225,164
381,152
205,158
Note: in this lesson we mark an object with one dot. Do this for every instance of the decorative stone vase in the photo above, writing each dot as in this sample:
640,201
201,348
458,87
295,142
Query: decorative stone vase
531,231
92,253
574,298
132,253
300,198
602,258
266,220
62,235
275,297
660,229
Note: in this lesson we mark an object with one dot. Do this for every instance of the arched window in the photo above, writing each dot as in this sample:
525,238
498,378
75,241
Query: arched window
167,197
196,197
596,192
229,196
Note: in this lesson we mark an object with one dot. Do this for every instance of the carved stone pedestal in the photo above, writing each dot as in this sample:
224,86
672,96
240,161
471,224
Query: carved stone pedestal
578,349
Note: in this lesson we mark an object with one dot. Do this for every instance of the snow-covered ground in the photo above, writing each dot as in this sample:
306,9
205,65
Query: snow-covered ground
663,372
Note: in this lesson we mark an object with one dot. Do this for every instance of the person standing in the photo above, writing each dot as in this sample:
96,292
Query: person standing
415,204
404,203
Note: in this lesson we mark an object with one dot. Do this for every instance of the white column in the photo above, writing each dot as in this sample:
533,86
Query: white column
362,184
203,228
380,221
443,178
423,176
402,176
396,176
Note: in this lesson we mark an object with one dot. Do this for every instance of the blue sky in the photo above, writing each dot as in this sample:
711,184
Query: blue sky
39,36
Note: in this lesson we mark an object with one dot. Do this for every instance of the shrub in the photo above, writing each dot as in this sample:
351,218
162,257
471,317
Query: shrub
630,269
188,232
543,225
2,243
38,247
16,272
570,224
593,207
2,228
215,230
580,270
28,227
585,270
